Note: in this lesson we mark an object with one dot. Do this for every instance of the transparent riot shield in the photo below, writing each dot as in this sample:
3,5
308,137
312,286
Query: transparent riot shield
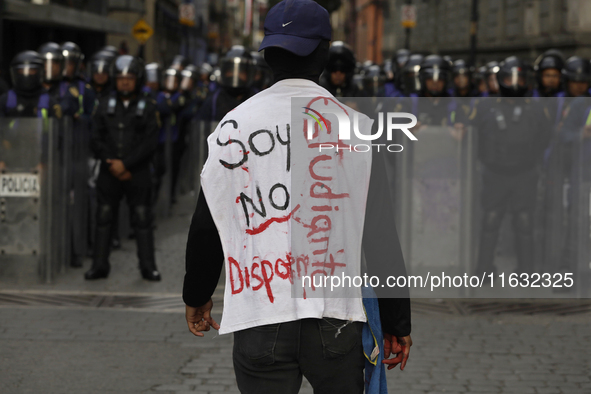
578,242
65,202
437,187
80,188
31,179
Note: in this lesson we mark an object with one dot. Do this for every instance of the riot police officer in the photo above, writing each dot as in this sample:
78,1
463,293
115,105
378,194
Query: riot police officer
27,98
548,68
73,58
411,84
340,69
205,84
577,75
479,81
53,59
125,136
153,80
490,76
263,76
513,133
236,76
100,80
373,81
462,80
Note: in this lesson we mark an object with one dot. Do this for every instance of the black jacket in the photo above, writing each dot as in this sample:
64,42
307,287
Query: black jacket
128,134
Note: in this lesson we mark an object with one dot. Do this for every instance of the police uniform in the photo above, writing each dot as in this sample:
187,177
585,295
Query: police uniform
512,136
128,131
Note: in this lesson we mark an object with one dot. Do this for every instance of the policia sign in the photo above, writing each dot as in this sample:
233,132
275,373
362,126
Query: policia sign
19,185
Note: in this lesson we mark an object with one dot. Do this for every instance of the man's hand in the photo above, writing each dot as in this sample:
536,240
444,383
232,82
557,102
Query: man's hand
399,347
117,168
199,319
126,176
587,131
457,132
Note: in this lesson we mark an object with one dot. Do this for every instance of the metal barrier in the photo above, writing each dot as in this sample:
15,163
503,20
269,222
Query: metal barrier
32,221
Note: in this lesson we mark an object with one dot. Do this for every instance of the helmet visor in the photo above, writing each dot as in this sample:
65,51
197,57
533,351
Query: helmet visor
171,82
53,69
236,73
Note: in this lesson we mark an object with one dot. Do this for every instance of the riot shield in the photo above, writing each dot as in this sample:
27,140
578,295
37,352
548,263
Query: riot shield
31,195
80,188
437,188
579,239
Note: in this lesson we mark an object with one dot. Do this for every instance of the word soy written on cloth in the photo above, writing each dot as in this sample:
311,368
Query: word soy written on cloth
261,143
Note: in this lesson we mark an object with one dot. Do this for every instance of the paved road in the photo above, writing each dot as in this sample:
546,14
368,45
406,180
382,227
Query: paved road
64,345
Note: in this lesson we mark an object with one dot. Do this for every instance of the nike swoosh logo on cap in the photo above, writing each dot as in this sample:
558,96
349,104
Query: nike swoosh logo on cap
285,24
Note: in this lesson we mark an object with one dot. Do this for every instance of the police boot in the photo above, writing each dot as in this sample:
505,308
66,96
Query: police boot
100,263
145,254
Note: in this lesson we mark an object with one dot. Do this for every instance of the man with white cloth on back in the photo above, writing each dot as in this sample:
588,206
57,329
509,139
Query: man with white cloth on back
260,188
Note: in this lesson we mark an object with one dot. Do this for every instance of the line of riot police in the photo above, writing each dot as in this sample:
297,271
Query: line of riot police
128,107
526,119
132,104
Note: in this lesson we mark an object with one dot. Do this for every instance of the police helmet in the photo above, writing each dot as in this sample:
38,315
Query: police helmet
492,68
237,68
401,57
373,80
551,59
435,68
390,70
512,77
179,62
263,76
577,69
171,79
100,62
460,67
411,82
126,65
340,58
53,59
72,54
26,71
111,49
205,70
449,60
153,73
188,77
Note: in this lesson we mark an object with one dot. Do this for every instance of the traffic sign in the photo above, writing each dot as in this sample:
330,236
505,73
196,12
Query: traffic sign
142,31
409,16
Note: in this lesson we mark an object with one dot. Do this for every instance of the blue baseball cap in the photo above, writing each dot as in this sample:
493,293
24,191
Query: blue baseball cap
297,26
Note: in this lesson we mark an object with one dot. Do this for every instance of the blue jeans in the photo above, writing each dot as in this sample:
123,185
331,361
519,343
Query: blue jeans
273,358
